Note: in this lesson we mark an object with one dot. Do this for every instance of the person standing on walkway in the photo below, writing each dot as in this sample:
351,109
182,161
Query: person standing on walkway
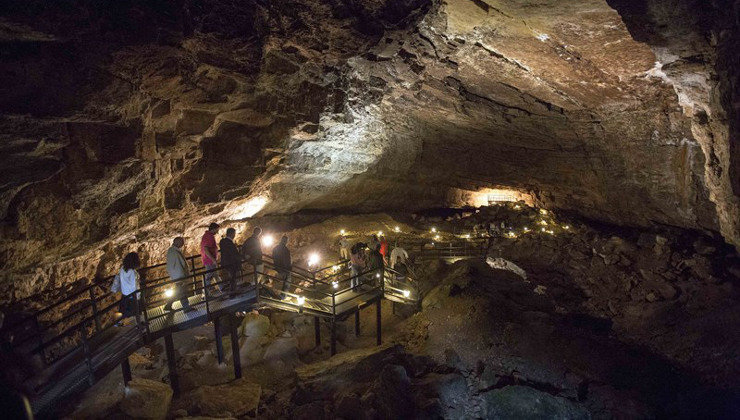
374,241
398,254
231,258
129,279
357,264
208,253
344,248
376,264
283,263
384,248
252,253
177,268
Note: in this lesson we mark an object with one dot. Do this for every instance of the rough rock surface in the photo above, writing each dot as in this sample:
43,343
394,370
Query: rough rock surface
133,122
147,399
234,399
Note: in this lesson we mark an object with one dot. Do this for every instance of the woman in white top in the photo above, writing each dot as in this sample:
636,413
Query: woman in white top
129,283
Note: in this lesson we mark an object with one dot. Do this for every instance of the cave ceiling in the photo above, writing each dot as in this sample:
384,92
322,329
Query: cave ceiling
139,119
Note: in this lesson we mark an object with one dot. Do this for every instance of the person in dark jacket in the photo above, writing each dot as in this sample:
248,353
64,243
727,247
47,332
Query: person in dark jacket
283,263
252,252
376,264
231,258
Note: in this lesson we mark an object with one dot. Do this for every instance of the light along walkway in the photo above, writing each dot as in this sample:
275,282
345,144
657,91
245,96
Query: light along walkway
93,345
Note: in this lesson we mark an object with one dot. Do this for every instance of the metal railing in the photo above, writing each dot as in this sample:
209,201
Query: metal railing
91,309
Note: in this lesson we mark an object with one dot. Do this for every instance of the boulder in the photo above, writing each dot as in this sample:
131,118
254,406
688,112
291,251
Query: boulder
146,399
236,398
521,402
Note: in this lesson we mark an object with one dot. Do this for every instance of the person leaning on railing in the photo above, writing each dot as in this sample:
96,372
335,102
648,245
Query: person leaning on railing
177,268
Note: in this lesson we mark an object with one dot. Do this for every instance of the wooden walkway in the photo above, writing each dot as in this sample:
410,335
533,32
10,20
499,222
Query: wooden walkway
83,353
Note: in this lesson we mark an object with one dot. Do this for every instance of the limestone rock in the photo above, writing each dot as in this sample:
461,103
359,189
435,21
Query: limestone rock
146,399
525,402
237,398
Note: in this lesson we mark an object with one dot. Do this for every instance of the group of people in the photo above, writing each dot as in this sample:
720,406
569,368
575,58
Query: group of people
220,275
373,262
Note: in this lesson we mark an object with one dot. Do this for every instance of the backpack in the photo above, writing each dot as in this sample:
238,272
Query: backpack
115,287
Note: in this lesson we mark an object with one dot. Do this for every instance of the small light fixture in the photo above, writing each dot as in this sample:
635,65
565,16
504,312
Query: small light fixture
566,227
434,230
377,275
526,229
512,234
406,293
267,240
335,285
466,236
517,207
543,222
313,259
169,292
436,237
543,212
543,229
380,233
301,300
396,229
342,232
551,232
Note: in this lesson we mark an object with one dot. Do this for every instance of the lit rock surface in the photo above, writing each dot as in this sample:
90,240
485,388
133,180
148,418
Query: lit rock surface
129,126
146,399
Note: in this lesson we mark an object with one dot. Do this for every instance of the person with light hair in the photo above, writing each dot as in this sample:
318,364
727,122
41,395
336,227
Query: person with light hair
177,268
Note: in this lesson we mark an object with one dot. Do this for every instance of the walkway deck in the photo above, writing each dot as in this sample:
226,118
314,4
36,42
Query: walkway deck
82,354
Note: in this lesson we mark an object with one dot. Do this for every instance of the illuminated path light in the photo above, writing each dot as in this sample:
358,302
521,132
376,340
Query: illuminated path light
169,292
267,240
300,300
313,259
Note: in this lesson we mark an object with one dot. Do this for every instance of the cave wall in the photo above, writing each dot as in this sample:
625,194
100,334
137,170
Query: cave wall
126,124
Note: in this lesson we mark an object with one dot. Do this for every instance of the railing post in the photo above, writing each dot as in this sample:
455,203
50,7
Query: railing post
88,359
137,310
40,336
94,303
235,353
206,295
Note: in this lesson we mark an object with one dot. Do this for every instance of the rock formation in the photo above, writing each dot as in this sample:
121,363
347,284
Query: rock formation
126,124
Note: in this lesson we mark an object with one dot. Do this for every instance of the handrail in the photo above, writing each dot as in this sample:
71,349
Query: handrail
149,290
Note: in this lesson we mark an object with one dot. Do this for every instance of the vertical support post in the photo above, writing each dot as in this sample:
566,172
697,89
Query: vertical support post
219,342
333,336
88,358
317,330
235,347
94,304
172,364
137,309
357,323
378,323
126,370
206,295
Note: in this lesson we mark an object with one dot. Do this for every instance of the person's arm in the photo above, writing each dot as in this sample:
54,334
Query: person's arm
183,264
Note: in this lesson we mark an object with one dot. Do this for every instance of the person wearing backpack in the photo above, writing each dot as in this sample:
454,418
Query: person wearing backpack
129,284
